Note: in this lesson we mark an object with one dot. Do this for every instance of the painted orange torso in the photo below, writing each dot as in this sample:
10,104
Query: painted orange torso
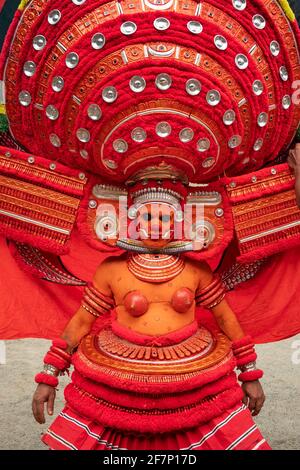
160,316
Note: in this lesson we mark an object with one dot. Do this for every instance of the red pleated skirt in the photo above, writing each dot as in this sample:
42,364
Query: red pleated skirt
233,430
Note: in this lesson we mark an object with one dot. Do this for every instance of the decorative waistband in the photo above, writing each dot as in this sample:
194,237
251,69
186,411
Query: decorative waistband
146,340
197,345
114,361
154,388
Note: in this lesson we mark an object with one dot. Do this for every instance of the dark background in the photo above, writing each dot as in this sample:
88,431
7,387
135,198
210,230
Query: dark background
7,9
295,4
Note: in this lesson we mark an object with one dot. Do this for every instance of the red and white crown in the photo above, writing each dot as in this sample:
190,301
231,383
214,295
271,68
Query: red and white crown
115,87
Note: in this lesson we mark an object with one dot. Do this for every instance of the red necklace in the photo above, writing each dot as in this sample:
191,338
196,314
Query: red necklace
155,268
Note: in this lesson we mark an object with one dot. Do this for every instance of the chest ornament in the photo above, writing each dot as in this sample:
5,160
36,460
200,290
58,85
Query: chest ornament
155,268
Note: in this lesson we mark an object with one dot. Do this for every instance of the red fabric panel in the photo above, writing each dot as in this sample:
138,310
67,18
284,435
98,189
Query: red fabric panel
268,305
233,430
33,308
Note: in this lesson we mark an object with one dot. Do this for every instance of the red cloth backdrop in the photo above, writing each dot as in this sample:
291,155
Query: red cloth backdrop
33,308
267,305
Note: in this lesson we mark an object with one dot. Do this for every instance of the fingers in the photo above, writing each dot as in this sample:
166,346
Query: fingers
245,400
252,404
43,394
258,406
255,405
291,160
38,411
294,154
255,395
50,404
291,156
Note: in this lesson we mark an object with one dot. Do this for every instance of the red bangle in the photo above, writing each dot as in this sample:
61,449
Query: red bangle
56,361
212,292
245,341
250,375
42,378
105,298
244,353
244,349
210,300
60,343
215,281
246,359
63,354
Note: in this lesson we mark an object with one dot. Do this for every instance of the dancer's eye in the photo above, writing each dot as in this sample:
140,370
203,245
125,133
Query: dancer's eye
146,217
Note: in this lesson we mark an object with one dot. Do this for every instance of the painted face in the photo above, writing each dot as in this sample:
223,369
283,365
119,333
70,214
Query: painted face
156,224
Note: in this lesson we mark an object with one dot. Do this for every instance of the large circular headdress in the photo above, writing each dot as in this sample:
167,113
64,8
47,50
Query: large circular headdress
117,87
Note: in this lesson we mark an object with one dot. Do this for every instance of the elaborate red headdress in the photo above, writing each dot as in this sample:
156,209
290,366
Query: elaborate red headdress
114,87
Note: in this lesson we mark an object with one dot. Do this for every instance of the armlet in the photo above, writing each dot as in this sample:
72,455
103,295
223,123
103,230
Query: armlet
95,302
211,295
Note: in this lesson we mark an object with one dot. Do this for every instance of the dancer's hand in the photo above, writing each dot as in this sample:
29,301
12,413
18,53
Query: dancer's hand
43,394
294,158
254,396
294,163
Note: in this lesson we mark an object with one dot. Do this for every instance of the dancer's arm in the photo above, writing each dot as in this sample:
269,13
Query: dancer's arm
78,327
254,396
222,312
81,323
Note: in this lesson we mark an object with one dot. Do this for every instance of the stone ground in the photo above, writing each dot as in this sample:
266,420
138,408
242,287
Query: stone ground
279,420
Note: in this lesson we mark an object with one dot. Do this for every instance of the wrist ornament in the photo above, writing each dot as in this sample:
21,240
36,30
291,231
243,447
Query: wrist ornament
244,352
56,362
